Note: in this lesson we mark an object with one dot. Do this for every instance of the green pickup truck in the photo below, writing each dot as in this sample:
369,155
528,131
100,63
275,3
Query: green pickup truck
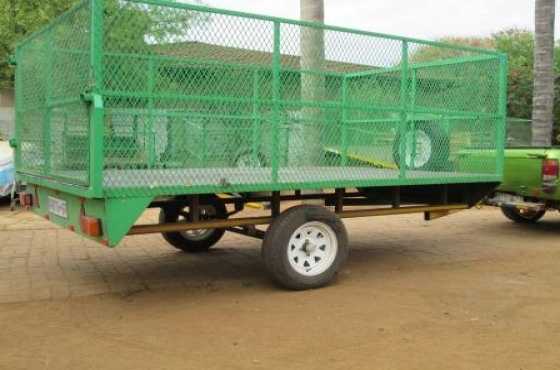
530,186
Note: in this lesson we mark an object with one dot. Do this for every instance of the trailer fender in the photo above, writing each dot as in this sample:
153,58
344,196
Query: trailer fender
121,214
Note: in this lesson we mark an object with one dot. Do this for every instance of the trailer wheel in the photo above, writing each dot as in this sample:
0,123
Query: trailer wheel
527,217
305,247
194,241
431,150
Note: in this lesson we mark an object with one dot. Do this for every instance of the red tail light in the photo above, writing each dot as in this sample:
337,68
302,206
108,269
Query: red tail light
549,170
90,225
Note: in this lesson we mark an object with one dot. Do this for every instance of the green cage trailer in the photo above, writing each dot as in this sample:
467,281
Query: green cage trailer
124,105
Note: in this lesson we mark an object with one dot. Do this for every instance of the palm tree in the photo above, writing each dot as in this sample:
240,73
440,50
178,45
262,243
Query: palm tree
312,42
543,94
312,45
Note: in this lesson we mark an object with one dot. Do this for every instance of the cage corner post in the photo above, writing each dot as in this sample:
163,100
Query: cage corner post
17,111
502,113
97,109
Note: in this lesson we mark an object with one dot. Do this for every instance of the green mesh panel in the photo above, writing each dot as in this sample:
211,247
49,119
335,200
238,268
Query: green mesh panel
52,121
202,100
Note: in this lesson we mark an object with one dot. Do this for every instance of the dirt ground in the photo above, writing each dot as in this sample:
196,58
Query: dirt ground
470,291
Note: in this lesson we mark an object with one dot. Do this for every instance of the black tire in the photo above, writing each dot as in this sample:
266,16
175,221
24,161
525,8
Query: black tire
514,214
439,147
276,245
191,244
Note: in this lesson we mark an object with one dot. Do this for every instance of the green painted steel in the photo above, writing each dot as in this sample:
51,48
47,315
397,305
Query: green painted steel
116,215
148,98
52,121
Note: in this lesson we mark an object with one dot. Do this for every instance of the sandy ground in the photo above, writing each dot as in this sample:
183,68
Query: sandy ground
470,291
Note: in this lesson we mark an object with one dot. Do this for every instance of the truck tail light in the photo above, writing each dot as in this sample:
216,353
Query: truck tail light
549,171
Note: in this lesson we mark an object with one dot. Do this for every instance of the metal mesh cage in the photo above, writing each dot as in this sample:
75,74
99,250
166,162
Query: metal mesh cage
200,100
52,121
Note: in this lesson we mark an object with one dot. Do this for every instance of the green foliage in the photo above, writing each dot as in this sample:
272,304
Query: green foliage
19,18
135,26
430,53
518,45
129,25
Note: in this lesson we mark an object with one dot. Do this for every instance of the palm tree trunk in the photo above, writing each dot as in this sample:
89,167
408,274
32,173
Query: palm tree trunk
543,94
312,44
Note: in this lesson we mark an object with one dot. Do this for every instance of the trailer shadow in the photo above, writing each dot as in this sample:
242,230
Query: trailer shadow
227,269
239,266
222,268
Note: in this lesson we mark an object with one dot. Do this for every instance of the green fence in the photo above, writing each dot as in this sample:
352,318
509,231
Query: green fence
122,98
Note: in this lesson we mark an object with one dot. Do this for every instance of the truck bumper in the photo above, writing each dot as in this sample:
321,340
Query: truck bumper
500,199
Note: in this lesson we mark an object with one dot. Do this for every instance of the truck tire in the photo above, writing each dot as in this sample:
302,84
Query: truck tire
514,214
305,247
432,143
194,241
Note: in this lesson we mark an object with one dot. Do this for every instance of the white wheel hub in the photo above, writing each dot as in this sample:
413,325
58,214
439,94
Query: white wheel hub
312,248
418,148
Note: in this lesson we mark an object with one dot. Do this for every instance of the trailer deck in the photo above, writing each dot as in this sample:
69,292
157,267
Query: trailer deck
230,177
